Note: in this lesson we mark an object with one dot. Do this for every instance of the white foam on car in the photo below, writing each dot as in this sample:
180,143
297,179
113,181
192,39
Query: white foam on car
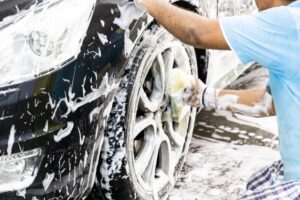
3,116
62,133
47,181
94,114
21,193
46,127
81,137
102,22
73,104
11,139
103,38
129,12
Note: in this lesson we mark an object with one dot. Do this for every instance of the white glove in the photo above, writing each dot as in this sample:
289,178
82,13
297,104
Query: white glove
201,96
194,95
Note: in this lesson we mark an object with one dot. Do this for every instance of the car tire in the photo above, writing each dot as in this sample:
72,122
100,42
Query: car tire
144,146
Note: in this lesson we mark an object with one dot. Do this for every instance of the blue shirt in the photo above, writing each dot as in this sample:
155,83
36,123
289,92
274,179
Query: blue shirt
272,38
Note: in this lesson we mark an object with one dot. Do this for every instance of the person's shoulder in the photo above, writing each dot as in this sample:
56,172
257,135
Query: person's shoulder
278,16
274,12
295,4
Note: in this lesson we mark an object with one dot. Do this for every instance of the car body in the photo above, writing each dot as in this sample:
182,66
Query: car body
61,64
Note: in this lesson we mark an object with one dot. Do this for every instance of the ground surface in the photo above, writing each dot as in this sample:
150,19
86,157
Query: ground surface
225,151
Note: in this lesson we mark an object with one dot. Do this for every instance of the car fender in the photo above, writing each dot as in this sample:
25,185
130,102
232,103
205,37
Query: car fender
114,32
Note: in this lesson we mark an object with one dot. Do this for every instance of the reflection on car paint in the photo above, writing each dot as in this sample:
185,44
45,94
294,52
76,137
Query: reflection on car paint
64,110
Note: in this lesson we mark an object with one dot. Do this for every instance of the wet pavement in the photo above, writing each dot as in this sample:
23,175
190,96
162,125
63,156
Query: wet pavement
224,152
226,149
227,127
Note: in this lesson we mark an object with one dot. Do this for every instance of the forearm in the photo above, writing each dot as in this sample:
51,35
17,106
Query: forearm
187,26
253,102
179,24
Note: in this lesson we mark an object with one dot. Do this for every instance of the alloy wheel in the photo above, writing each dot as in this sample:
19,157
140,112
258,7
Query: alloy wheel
157,140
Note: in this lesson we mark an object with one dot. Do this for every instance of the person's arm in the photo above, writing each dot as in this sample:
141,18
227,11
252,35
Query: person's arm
252,102
187,26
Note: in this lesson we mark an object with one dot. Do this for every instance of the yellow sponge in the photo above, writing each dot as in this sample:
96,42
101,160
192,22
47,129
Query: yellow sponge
178,81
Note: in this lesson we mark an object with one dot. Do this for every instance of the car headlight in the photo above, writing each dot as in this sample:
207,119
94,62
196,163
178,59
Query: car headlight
42,38
18,171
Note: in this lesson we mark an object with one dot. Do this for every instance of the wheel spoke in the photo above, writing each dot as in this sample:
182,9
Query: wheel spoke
146,104
164,172
169,59
169,63
162,180
160,60
142,123
170,129
164,152
158,73
151,102
149,173
183,124
146,154
183,61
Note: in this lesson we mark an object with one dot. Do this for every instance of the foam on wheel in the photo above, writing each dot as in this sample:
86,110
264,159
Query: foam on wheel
144,146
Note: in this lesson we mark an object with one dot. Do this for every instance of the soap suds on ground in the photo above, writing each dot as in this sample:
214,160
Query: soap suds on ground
219,170
224,153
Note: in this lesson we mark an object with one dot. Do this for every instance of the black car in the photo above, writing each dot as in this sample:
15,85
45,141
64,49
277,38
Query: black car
84,110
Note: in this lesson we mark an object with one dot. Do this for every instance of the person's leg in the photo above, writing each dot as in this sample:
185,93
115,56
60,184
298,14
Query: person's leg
280,191
268,183
266,177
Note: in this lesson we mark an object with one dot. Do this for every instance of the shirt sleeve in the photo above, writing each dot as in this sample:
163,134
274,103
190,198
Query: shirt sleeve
259,37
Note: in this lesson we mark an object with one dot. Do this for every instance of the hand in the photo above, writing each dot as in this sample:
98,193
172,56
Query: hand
194,96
